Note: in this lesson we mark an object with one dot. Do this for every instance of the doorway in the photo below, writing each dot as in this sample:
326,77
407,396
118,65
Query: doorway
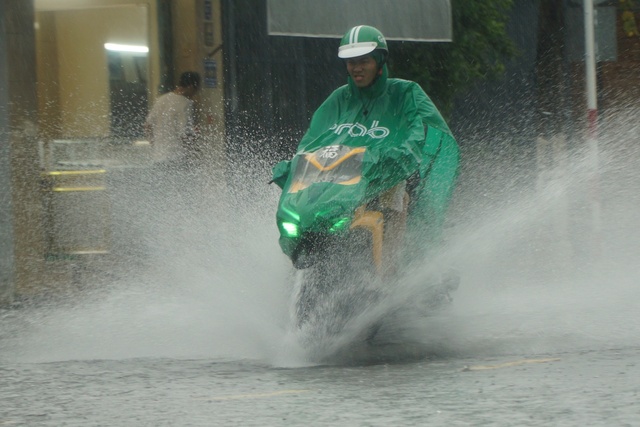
87,89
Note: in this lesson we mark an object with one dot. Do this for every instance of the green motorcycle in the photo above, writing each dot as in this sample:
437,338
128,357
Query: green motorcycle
335,230
349,198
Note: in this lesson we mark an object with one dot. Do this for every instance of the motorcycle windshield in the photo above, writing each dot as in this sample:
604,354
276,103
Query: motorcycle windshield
336,164
324,188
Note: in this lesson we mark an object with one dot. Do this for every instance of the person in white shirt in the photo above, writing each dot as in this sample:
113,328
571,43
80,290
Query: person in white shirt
170,124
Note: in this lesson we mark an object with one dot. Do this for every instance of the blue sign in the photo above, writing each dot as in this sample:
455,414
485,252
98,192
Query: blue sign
210,73
208,10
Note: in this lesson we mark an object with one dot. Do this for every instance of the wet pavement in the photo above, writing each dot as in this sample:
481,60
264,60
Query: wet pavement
533,364
569,389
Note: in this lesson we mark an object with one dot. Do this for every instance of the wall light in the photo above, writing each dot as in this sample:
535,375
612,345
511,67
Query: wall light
126,48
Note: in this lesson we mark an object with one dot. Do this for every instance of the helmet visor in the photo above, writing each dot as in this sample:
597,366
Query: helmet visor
353,50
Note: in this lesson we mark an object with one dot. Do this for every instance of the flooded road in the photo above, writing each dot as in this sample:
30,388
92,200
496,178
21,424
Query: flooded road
192,327
597,388
196,356
569,388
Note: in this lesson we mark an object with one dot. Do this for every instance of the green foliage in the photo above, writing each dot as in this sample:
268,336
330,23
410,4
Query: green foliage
479,51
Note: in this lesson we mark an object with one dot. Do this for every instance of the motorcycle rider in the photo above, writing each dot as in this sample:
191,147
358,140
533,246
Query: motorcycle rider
416,176
371,97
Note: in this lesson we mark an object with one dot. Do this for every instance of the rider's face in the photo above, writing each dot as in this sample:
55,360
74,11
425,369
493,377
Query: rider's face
363,70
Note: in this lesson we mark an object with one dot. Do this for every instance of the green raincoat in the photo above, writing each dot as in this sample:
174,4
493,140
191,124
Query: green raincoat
397,118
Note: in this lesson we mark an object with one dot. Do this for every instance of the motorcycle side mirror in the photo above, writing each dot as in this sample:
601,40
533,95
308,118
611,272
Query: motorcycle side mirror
280,173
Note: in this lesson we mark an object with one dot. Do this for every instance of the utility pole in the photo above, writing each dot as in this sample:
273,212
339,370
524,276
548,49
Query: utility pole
592,125
590,66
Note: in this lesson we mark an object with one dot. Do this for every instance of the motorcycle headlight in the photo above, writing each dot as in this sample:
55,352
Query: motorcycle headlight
290,229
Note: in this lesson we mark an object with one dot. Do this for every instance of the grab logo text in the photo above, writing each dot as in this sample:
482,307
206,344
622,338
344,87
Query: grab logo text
357,129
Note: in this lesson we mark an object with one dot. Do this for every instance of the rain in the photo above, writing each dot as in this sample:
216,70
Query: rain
188,317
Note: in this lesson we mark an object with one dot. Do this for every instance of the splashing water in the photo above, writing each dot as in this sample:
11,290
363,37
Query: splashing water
202,276
539,275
